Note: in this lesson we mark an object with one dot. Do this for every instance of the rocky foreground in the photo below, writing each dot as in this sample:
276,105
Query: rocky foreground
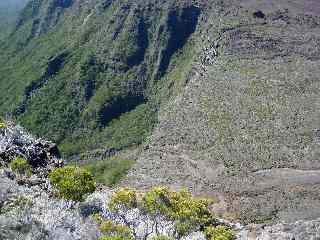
29,211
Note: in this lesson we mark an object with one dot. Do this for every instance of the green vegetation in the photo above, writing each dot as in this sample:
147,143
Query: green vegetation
111,170
18,204
161,206
2,125
21,166
72,183
129,130
9,10
115,231
219,233
91,90
114,238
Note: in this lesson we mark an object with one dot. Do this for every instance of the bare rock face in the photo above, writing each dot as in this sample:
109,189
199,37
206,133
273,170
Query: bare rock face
15,141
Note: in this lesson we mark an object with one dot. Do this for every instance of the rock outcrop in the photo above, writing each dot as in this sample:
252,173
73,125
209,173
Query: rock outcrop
16,142
27,208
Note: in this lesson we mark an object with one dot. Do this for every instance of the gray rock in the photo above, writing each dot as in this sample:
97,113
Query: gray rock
30,213
15,141
300,230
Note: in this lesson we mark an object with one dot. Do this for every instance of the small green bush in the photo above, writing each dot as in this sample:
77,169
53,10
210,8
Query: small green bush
72,182
2,125
219,233
115,231
20,165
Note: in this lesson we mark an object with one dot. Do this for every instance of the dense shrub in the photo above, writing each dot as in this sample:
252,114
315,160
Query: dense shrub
72,182
219,233
115,231
187,212
20,165
161,207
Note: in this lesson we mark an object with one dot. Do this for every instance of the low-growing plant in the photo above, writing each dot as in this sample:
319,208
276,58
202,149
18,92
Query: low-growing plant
115,231
123,200
3,125
186,212
21,166
72,183
219,233
98,218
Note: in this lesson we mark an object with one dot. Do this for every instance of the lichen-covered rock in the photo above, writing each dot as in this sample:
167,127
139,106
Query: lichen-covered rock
16,142
300,230
30,213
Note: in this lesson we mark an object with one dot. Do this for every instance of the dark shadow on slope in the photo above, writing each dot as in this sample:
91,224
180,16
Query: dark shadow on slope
62,3
180,26
55,64
30,11
142,42
119,106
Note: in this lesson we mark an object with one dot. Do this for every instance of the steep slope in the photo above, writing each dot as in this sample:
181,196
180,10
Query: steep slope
246,126
87,74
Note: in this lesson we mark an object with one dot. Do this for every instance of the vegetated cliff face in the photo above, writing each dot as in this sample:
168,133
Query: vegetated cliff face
231,86
92,72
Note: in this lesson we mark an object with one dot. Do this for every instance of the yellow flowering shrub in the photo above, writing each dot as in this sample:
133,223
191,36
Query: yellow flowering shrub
219,233
186,213
72,183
